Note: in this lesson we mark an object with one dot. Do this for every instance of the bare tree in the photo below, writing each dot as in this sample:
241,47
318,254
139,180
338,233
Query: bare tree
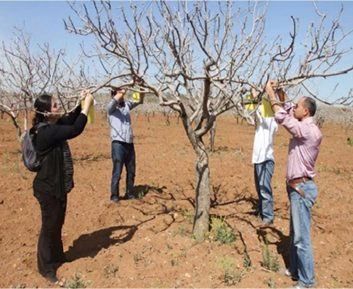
198,58
321,54
27,72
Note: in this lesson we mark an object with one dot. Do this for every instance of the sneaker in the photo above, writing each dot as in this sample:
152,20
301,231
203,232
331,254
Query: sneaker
289,274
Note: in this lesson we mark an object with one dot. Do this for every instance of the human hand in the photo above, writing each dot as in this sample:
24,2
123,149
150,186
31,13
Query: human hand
88,97
88,101
254,92
118,94
271,86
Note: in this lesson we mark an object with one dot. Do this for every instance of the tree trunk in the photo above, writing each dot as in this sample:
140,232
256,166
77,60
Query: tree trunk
212,136
203,196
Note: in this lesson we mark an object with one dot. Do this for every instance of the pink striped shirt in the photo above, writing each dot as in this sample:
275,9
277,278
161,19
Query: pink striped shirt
304,146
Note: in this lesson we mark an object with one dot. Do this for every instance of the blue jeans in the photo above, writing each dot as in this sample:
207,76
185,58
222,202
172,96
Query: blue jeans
263,175
301,253
123,154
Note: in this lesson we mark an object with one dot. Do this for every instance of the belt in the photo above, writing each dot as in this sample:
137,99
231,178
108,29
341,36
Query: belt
292,183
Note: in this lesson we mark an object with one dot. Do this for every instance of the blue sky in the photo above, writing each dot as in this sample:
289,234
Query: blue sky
44,21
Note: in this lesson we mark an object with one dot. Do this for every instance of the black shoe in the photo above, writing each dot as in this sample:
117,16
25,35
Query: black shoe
115,200
129,197
52,278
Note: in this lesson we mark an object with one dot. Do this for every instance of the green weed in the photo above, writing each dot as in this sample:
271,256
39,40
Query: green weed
189,215
111,270
222,231
246,259
181,231
137,257
231,276
76,282
271,283
269,261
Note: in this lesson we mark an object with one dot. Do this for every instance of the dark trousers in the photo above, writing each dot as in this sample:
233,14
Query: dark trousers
50,251
123,154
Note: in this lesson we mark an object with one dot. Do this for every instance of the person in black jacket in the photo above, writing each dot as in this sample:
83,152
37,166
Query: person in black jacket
55,179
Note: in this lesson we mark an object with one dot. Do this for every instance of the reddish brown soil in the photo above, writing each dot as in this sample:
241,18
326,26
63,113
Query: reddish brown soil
147,242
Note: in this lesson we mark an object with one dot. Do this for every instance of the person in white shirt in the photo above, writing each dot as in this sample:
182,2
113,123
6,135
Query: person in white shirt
264,164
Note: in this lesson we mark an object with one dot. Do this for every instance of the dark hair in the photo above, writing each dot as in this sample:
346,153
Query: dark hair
310,104
41,104
113,92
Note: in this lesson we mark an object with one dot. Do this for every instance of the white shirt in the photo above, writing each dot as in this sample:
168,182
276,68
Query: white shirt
263,142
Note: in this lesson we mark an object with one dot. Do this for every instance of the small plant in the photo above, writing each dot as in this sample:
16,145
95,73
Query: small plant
246,259
181,231
231,276
156,283
76,282
335,282
350,141
337,170
173,260
189,215
271,283
268,261
175,257
137,257
222,231
111,270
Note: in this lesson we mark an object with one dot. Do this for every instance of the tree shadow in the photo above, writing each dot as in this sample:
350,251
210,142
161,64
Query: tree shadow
242,198
88,245
282,245
142,190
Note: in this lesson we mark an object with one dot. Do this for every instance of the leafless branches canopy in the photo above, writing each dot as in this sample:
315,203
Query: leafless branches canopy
190,57
200,58
27,72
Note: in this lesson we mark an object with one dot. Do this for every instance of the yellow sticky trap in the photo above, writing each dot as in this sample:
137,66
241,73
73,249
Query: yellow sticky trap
266,110
136,96
250,106
90,116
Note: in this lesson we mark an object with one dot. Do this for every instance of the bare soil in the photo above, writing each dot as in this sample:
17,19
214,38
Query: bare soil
147,242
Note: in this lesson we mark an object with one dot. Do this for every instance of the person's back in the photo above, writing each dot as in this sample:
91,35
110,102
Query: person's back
264,138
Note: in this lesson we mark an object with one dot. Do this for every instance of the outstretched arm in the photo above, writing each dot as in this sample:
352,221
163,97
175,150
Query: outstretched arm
270,89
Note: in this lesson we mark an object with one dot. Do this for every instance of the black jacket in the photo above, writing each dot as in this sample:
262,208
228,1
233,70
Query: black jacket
50,178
